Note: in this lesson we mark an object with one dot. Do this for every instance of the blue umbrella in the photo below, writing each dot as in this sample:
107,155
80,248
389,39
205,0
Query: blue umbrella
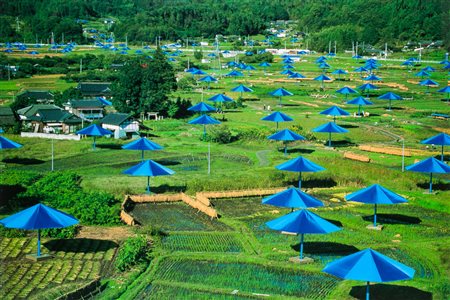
286,135
440,139
375,194
287,72
220,98
356,56
288,60
367,87
429,69
285,67
277,117
249,68
361,70
321,59
234,73
300,164
242,89
8,144
39,217
359,101
372,77
296,75
191,70
292,198
280,92
370,266
446,90
208,79
322,78
430,165
390,96
324,66
142,144
264,65
346,91
330,127
334,111
422,73
198,72
202,107
204,120
339,72
148,168
95,131
302,221
428,83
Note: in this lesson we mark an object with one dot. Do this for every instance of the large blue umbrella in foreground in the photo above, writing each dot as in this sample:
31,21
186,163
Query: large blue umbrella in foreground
441,139
142,144
39,217
292,198
286,135
95,131
277,116
370,266
430,165
334,111
360,101
281,92
330,127
390,96
300,164
204,120
8,144
302,221
375,194
148,168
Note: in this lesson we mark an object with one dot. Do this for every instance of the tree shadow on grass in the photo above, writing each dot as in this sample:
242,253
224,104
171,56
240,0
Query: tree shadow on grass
23,161
393,219
314,183
388,292
298,150
349,126
80,245
341,143
441,186
167,162
164,188
109,146
326,248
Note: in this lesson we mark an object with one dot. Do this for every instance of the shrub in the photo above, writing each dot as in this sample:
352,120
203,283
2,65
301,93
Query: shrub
133,251
60,233
220,134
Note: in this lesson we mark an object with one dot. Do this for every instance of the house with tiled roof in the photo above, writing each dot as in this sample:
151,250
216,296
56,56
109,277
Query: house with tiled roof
123,125
87,109
95,89
49,119
37,96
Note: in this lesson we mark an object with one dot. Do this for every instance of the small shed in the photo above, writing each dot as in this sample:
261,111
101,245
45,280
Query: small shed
123,125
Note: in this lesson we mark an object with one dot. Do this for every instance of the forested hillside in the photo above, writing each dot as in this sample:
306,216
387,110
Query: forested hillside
372,21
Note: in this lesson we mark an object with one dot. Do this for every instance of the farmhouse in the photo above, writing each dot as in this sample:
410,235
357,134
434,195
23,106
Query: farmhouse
49,119
37,96
123,125
95,89
89,109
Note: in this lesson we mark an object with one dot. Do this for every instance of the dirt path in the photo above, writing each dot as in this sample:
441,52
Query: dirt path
262,157
116,233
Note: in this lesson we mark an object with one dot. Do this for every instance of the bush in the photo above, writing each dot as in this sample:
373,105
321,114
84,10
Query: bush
220,134
60,233
133,251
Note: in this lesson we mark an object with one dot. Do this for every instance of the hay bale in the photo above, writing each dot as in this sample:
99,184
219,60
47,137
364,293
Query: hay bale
357,157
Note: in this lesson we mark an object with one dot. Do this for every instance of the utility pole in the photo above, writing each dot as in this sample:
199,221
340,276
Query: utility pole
385,51
335,47
353,48
329,46
81,65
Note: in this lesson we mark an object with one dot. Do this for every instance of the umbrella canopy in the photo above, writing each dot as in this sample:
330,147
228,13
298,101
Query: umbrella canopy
8,144
441,139
201,107
292,198
234,73
280,92
346,91
142,144
39,217
390,96
322,78
95,131
367,87
264,64
372,77
198,72
375,194
429,83
148,168
430,165
286,135
302,221
339,72
334,111
296,76
220,98
361,69
300,164
208,79
446,90
242,89
422,73
204,120
288,67
330,127
429,69
277,116
360,101
370,266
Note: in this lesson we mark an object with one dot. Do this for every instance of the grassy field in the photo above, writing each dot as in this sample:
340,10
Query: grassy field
237,256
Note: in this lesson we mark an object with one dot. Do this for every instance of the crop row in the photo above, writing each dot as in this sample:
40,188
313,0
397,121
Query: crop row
217,242
21,279
249,278
86,249
175,216
14,247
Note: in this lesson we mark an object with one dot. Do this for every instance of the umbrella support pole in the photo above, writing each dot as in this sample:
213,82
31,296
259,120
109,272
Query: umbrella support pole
442,153
431,183
375,216
329,139
367,291
93,145
148,185
39,243
38,256
300,181
301,246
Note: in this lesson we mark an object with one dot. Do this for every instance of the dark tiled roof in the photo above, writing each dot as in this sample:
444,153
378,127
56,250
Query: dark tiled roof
37,95
7,116
94,87
54,115
89,103
32,109
115,119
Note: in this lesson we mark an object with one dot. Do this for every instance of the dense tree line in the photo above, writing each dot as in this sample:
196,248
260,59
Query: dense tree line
371,21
